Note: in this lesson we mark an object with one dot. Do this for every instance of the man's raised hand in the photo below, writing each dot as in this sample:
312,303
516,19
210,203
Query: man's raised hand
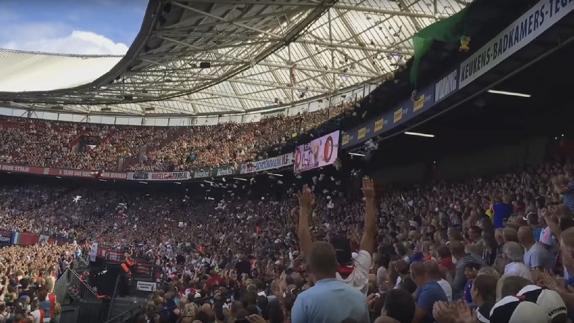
370,225
306,204
306,199
369,188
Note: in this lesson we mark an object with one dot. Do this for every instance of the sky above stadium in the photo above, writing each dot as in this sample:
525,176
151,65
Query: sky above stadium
96,27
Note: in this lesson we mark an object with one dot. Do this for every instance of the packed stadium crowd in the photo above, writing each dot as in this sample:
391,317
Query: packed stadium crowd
495,249
31,142
27,279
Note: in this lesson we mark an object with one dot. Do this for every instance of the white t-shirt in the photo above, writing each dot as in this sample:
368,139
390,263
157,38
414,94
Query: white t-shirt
36,315
517,269
359,278
538,256
446,288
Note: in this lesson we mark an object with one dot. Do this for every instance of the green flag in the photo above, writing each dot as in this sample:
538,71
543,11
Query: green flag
449,30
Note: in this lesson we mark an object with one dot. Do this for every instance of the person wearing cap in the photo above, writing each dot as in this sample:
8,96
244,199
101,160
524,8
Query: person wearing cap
536,255
351,270
548,299
330,300
512,309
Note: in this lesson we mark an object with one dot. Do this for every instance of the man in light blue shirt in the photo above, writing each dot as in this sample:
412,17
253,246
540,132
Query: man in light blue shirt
330,300
536,256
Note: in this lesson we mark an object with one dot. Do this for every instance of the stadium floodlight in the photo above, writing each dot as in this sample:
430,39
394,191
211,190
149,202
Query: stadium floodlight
419,134
358,154
522,95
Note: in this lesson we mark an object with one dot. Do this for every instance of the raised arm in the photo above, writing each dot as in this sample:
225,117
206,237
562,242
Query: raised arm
306,204
370,225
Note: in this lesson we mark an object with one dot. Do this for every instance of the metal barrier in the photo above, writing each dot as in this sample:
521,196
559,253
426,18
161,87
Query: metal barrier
70,287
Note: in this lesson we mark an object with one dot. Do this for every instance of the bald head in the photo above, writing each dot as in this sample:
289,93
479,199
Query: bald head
525,236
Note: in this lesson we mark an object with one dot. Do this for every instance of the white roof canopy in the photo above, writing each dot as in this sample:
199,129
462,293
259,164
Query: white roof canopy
29,71
234,56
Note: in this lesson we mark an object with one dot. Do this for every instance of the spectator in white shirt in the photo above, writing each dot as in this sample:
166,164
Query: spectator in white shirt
436,275
514,255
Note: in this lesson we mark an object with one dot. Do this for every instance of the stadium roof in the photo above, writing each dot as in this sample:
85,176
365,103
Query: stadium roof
211,57
25,71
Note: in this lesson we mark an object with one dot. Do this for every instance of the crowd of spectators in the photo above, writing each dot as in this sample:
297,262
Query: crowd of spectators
446,252
30,142
27,281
